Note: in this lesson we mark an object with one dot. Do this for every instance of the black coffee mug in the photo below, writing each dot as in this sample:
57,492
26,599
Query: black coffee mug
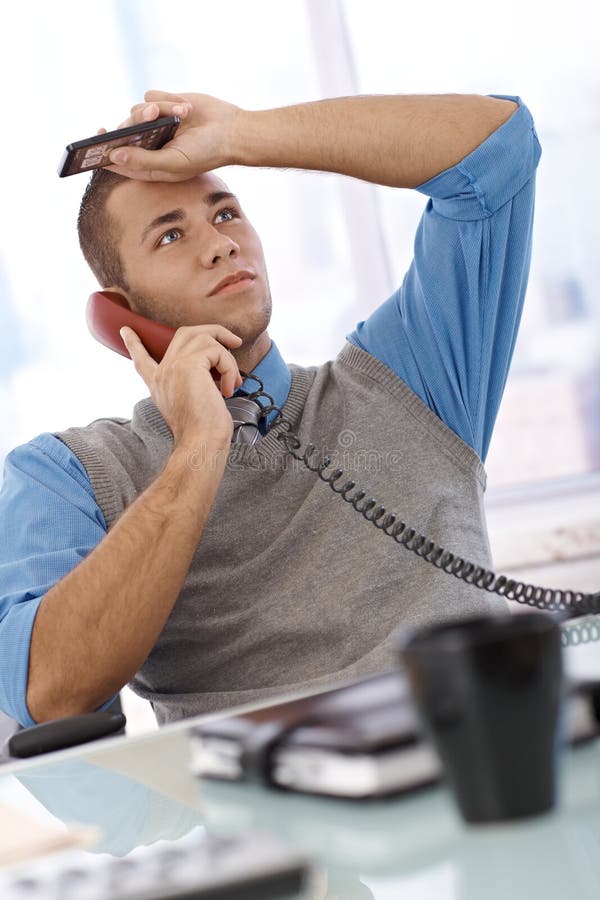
489,691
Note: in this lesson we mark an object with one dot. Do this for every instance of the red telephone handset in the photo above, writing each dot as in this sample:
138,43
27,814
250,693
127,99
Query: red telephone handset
107,312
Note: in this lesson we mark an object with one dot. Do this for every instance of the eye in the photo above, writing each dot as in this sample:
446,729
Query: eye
169,237
228,209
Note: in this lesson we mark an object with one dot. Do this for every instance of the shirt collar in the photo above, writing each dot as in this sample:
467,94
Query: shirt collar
275,376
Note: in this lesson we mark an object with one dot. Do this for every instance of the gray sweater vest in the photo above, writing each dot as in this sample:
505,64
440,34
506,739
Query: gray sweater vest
290,588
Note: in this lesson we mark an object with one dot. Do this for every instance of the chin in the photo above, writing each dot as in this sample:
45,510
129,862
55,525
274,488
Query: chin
249,325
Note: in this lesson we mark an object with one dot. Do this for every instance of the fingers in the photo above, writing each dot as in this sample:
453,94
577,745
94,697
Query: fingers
144,364
148,112
225,364
228,338
209,345
213,340
164,95
156,105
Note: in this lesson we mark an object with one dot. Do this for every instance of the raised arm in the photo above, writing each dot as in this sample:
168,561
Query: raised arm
396,140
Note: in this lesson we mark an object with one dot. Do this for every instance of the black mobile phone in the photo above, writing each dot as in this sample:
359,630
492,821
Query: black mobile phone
92,153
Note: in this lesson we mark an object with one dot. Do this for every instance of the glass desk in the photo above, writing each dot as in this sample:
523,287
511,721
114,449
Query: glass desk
139,791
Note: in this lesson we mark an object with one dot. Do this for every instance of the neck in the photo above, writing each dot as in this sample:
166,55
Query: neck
249,355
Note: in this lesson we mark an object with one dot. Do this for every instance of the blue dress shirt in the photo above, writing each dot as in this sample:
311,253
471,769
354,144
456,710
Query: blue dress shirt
448,331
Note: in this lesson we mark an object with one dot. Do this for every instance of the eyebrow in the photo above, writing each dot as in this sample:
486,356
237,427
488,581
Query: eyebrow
178,215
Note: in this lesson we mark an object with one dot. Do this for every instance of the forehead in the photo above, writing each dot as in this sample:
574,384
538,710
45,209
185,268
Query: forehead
133,204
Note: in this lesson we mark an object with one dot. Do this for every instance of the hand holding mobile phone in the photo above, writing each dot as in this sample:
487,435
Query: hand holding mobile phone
93,152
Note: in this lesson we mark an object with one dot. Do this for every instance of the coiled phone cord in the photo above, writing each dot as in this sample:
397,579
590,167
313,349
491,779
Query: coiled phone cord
572,603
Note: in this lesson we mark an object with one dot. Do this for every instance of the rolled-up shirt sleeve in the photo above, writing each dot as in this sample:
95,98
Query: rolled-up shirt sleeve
49,521
449,330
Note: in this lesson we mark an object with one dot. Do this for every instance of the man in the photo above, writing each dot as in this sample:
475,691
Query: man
208,574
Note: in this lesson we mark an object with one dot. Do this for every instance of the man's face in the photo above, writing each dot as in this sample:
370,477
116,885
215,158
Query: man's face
177,242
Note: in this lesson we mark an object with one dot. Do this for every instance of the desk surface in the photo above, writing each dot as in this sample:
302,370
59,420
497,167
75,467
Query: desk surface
140,790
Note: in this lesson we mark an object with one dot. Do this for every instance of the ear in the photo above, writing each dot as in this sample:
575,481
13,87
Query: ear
120,296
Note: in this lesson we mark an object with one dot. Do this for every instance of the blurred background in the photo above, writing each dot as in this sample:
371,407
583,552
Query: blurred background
335,248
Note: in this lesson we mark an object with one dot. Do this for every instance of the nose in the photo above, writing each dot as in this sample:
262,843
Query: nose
216,246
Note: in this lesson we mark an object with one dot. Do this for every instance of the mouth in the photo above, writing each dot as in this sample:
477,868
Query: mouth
237,282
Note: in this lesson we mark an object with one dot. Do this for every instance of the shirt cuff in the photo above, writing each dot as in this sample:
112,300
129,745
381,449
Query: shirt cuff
17,628
16,634
492,174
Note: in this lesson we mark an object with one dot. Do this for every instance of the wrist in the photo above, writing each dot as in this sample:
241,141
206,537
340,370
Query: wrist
242,144
199,452
296,136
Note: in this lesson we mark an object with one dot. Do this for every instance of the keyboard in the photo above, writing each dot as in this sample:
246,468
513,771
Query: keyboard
249,866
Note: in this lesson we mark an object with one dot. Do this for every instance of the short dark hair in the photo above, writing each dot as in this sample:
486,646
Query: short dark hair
98,232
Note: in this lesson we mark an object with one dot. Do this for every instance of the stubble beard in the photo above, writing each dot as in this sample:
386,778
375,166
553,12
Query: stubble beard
249,327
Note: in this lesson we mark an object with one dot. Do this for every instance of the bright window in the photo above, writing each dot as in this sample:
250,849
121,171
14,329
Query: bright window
549,422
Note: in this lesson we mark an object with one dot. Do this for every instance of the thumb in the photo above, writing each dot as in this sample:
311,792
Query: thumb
166,164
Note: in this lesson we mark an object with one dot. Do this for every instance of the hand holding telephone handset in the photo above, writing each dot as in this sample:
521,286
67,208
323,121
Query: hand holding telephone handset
107,312
190,393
